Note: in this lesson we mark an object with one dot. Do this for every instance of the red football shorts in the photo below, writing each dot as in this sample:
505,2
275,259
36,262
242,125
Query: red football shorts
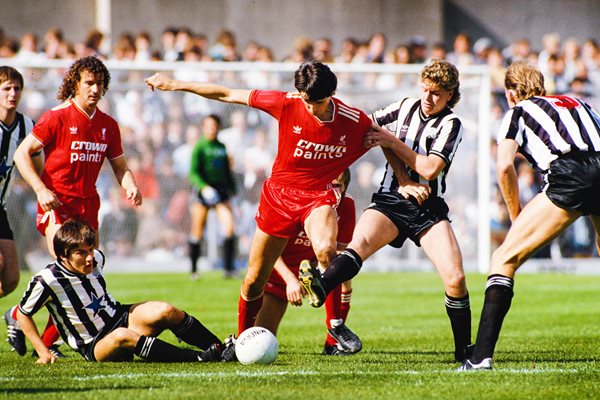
282,210
84,210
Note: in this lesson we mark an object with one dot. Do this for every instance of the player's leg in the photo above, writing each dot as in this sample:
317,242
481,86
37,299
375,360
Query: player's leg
596,222
271,312
227,224
340,339
9,267
321,227
199,213
264,251
441,246
538,223
119,344
373,231
153,317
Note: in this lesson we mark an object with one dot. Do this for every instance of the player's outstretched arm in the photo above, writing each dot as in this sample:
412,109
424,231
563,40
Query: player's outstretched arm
209,90
30,330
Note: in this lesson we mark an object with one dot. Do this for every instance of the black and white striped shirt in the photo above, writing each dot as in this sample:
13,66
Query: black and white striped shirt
80,305
547,127
11,138
438,134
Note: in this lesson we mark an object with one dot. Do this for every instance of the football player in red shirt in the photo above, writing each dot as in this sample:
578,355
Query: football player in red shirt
319,136
75,137
283,284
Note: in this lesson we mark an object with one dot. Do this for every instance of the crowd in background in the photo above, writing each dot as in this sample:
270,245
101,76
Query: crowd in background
159,131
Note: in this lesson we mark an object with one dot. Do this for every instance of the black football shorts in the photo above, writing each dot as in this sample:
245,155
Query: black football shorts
410,217
574,182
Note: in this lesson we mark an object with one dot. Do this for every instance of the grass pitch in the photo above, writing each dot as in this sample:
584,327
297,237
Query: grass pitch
549,346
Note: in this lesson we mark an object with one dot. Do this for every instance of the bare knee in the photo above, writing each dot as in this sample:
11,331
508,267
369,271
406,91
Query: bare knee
455,284
124,338
165,313
325,251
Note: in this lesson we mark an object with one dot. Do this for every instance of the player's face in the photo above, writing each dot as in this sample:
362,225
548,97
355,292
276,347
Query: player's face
81,260
434,99
89,89
318,108
10,95
339,182
210,128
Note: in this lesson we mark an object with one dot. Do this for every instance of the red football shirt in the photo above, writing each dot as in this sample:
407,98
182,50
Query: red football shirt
311,153
75,147
300,247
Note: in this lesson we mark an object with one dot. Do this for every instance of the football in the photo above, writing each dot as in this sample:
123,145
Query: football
256,345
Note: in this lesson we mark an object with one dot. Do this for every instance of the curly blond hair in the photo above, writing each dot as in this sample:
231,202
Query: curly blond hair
443,75
90,64
525,80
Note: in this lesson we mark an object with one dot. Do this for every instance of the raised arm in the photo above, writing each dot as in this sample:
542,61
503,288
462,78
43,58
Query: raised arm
30,330
428,166
28,163
507,176
209,90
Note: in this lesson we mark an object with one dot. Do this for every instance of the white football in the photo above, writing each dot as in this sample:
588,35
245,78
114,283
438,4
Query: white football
256,345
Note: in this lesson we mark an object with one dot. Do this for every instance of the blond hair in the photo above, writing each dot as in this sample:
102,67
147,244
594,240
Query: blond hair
443,75
525,80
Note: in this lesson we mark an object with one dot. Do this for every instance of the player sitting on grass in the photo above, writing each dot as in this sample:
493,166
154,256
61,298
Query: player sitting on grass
92,322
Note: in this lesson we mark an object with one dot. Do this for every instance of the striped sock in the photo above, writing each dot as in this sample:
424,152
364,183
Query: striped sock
498,297
459,312
149,348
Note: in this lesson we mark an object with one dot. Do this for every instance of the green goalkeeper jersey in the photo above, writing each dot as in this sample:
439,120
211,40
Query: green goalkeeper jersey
210,166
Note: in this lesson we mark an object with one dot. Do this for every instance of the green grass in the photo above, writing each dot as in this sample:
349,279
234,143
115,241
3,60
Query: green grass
549,346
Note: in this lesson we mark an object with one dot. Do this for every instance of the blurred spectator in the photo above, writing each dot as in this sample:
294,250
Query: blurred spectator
29,48
167,40
418,49
481,50
461,51
349,46
143,46
520,50
323,50
118,224
438,52
182,155
376,50
550,47
225,47
303,50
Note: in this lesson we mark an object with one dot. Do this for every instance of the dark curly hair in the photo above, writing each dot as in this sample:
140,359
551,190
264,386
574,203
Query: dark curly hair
73,76
316,80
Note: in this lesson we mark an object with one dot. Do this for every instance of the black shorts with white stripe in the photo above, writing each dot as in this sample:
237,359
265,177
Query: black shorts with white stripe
574,182
410,217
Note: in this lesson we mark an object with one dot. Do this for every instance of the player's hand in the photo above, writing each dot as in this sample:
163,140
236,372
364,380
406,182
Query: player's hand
45,357
47,199
158,81
378,136
295,292
134,195
210,195
418,191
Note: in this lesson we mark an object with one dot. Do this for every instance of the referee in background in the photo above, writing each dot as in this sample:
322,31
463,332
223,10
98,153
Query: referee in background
560,136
